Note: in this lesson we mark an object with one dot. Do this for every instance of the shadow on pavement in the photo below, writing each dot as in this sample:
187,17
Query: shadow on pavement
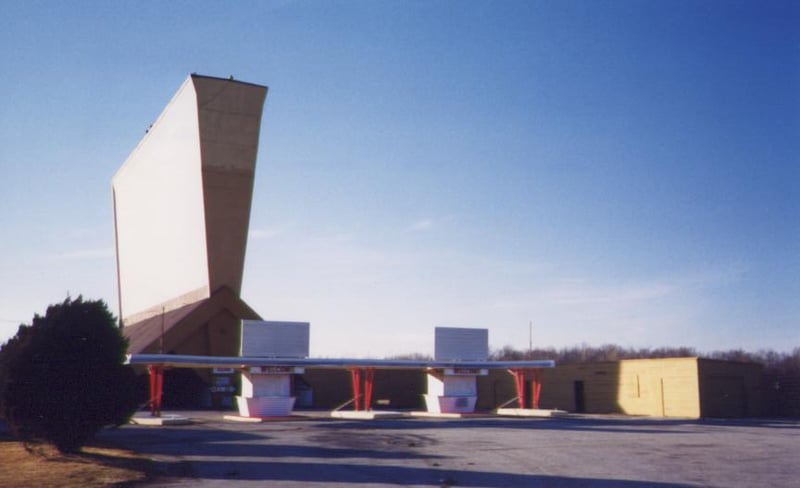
639,426
210,442
361,474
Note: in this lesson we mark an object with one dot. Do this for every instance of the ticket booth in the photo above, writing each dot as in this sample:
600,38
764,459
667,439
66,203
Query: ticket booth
455,390
267,389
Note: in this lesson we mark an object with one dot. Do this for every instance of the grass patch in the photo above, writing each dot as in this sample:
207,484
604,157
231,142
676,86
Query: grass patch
43,466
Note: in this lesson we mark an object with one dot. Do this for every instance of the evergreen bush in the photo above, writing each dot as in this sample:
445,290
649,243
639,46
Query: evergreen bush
62,378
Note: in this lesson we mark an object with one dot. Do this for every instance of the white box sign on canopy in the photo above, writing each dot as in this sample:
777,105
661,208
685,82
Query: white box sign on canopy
461,344
271,339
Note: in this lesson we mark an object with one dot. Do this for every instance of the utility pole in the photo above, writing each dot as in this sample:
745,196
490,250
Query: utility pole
530,336
161,339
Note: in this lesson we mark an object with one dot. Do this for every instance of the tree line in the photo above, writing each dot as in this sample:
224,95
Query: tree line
775,363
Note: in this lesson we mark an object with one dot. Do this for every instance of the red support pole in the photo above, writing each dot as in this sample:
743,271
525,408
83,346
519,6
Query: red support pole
536,386
151,372
519,382
160,389
156,373
355,376
368,381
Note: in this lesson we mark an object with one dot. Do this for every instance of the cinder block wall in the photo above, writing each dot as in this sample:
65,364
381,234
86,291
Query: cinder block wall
495,389
652,387
401,389
730,389
671,387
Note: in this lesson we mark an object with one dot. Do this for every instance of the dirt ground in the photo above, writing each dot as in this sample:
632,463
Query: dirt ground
44,467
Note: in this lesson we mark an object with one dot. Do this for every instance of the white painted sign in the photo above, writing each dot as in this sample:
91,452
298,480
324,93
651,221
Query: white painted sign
271,339
461,344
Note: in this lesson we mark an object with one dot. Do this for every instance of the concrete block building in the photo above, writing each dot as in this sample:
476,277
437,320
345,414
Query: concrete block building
688,387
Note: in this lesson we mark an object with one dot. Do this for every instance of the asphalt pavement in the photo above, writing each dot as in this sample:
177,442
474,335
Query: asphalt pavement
583,451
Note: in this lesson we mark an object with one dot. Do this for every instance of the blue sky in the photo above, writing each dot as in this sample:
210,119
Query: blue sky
613,172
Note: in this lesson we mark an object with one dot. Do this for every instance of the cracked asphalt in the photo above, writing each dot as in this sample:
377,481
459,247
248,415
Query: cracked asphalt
602,451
